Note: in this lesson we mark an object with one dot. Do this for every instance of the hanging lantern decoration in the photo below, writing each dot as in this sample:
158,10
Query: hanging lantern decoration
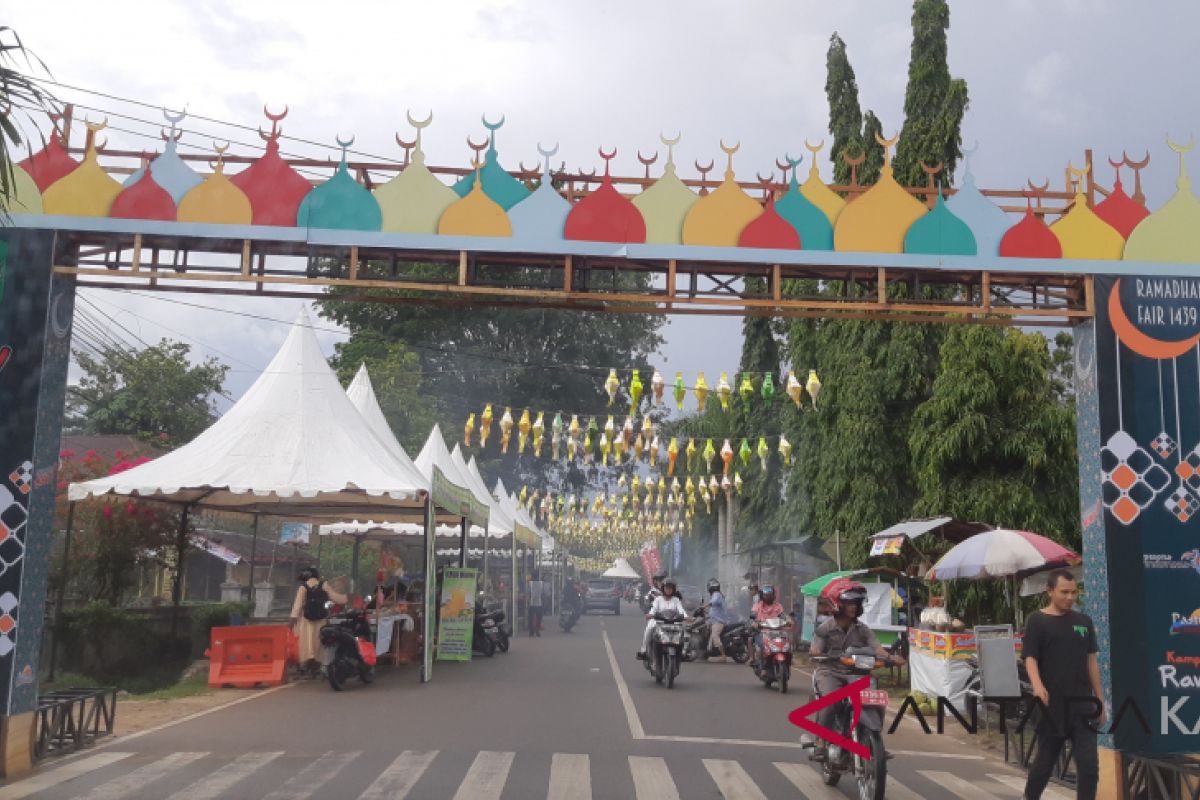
764,452
737,483
485,425
610,427
638,447
572,448
708,455
539,433
657,386
672,455
794,389
662,484
713,485
589,440
726,454
653,452
746,389
556,434
724,391
768,389
612,385
523,428
726,485
785,450
506,426
744,453
680,390
635,391
707,495
468,429
701,392
621,482
691,455
627,432
605,446
813,386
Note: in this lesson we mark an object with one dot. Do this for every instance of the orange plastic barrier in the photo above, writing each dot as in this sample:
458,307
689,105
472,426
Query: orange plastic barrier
250,655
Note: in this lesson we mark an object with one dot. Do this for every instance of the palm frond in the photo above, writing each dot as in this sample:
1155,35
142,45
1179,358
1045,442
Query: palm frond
22,99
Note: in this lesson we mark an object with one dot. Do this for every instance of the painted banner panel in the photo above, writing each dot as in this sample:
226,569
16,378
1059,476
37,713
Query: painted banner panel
456,617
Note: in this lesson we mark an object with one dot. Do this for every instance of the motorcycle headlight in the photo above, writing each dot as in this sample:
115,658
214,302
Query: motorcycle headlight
864,662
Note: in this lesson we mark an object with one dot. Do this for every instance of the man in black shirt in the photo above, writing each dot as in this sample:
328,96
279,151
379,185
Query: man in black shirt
1060,656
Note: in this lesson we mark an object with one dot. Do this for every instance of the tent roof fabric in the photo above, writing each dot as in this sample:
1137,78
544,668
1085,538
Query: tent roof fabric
453,491
293,444
620,569
951,529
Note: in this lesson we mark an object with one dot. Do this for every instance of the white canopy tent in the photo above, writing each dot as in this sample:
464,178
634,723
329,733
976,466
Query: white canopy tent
620,569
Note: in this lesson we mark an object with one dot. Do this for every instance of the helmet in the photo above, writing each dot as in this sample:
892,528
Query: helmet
767,591
841,591
669,582
714,585
306,573
660,576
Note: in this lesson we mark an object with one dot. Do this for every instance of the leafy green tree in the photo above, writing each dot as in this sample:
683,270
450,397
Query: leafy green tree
396,377
934,103
156,394
19,93
852,132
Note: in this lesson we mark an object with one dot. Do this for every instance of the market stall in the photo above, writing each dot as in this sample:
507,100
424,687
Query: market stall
788,565
879,610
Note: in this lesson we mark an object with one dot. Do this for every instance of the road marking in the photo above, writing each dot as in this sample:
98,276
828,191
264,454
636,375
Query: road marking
127,784
1018,783
653,737
957,786
898,791
631,715
312,778
652,779
54,777
570,777
931,754
212,786
733,781
395,782
809,782
486,777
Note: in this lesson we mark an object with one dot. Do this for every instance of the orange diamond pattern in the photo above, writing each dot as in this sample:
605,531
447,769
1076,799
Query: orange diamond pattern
1125,510
1124,477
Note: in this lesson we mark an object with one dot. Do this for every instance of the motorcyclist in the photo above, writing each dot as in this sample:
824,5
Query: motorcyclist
655,588
718,617
766,608
570,596
664,602
832,638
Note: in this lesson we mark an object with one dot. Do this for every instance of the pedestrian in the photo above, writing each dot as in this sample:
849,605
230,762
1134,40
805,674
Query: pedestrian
536,593
718,618
1060,655
309,615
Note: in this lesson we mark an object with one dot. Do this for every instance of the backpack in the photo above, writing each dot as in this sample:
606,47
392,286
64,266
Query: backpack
314,603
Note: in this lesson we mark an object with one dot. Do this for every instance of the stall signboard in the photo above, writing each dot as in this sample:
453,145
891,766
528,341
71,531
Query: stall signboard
295,532
456,614
1138,396
887,545
457,499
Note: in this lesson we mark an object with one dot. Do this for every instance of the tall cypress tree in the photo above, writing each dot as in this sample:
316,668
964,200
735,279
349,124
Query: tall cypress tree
934,103
846,119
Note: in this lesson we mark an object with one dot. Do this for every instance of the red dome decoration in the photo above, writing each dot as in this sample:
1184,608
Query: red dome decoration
1030,238
145,199
274,188
770,231
49,164
1120,211
605,215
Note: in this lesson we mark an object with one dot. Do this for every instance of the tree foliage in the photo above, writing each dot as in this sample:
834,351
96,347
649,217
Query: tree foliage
19,93
396,377
853,133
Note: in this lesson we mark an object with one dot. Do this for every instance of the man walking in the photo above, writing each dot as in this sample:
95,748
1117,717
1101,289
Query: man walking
718,618
537,590
1060,656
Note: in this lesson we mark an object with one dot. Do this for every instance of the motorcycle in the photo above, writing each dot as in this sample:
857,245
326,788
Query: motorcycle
870,772
348,650
568,617
666,645
487,635
496,611
774,665
699,636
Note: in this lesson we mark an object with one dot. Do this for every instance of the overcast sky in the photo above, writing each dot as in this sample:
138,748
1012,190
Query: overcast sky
1046,81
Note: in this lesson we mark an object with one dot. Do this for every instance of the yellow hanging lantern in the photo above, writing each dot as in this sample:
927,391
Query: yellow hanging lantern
621,482
691,455
813,386
764,452
604,448
708,498
635,485
713,485
638,447
610,427
689,488
539,433
794,389
468,429
724,391
672,455
556,434
652,455
710,453
573,429
746,389
627,432
506,426
523,428
612,385
701,391
635,391
658,385
737,482
785,449
662,484
572,447
485,425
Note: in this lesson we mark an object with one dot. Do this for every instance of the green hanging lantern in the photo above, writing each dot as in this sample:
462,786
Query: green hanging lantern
768,388
745,452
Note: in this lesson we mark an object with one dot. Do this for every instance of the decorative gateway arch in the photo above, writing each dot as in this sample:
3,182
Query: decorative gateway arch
1125,278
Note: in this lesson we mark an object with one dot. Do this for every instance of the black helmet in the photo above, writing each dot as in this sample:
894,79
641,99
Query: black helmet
714,585
306,573
768,590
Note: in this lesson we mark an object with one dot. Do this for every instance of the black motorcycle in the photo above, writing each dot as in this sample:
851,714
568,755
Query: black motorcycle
487,636
568,617
496,611
700,635
348,649
666,647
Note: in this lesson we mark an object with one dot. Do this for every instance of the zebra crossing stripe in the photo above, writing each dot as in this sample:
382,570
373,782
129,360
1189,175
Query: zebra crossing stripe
1018,783
570,777
211,786
395,782
119,788
308,781
809,782
732,780
652,779
54,777
486,777
957,786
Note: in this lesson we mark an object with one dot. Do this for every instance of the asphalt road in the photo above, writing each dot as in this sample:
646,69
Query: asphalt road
560,716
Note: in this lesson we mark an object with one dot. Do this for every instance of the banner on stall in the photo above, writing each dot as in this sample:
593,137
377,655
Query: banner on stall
456,614
295,532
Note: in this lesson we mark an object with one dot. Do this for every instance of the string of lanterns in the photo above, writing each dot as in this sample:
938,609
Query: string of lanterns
701,390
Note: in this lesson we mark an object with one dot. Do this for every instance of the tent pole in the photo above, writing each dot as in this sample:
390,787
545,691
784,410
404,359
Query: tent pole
430,601
512,588
253,554
320,542
177,584
62,590
486,545
354,564
462,558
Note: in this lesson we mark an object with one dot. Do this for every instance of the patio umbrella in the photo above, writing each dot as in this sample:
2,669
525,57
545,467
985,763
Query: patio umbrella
813,588
999,554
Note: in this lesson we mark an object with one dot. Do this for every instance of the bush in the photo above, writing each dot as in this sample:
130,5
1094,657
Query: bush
116,648
205,618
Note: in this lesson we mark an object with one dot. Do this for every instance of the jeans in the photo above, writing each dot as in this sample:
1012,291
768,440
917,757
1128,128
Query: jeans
1052,733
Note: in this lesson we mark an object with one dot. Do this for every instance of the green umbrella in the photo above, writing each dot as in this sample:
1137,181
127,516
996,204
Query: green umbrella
813,588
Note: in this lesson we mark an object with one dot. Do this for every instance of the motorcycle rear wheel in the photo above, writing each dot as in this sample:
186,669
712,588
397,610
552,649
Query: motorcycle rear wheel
740,655
672,667
366,674
336,681
502,642
783,678
872,774
829,775
487,646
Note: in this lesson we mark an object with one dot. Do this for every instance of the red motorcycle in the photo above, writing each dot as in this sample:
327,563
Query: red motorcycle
774,664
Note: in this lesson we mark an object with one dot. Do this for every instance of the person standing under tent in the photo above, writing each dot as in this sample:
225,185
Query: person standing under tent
309,615
535,596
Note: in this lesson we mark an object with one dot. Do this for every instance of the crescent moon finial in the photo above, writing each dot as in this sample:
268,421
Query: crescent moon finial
1182,150
476,147
275,117
419,124
547,153
887,144
729,151
492,126
174,117
670,143
344,143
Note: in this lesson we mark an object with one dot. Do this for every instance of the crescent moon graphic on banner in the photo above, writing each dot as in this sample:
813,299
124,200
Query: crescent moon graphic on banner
1137,341
60,326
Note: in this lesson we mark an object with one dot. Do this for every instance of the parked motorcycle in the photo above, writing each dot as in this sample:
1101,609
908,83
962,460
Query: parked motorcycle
666,647
487,635
700,634
774,666
871,772
568,617
348,648
496,611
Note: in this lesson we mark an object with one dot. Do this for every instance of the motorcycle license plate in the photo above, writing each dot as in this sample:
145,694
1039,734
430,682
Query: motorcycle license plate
874,697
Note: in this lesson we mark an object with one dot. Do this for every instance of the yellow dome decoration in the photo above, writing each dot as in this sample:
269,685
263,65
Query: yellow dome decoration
87,190
1173,232
476,214
815,190
216,200
1081,233
878,220
414,200
666,204
718,218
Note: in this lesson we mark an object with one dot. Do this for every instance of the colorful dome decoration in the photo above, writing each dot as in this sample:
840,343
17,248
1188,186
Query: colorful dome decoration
1173,232
87,190
145,199
877,221
986,220
25,198
50,164
1119,209
497,182
940,233
1030,238
275,189
605,215
717,219
1082,233
341,203
543,215
414,200
811,223
477,214
217,200
817,193
666,203
770,231
170,171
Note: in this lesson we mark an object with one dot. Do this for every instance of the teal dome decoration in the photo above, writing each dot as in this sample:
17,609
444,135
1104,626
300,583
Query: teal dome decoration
340,203
505,190
816,232
940,233
985,219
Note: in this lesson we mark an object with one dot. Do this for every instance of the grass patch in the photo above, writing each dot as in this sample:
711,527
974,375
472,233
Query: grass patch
188,687
68,680
152,687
